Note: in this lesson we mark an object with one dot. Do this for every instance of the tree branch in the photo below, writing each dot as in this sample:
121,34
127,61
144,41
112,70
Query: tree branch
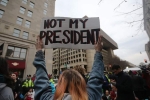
99,2
120,4
135,21
131,11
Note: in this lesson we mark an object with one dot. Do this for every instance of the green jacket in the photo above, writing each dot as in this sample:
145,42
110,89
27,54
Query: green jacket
52,81
28,83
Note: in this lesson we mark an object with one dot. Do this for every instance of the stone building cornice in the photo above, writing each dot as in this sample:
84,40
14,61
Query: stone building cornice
16,38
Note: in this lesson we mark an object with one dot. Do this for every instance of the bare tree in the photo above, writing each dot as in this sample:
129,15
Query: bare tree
122,63
139,23
120,4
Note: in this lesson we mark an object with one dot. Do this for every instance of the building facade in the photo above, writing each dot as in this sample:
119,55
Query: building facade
69,58
146,14
20,22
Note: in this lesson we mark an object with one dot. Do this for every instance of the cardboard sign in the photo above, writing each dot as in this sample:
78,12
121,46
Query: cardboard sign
73,33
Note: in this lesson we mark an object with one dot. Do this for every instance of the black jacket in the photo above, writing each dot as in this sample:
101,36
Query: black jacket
17,87
124,87
138,83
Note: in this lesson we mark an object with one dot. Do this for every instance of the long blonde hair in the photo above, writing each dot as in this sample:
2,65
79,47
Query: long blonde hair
71,81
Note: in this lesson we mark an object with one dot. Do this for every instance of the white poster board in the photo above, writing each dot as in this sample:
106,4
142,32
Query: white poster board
73,33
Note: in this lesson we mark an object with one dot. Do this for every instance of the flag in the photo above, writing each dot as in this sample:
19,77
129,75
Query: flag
1,49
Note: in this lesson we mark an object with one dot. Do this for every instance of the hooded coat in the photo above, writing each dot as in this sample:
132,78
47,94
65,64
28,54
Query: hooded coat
43,90
6,92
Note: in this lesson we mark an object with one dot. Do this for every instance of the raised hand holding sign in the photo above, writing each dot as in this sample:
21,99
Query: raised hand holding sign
75,33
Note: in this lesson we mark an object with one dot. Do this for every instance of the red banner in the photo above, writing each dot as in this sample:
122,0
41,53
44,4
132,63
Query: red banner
16,64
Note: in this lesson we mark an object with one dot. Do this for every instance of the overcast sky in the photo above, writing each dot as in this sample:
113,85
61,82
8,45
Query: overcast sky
131,39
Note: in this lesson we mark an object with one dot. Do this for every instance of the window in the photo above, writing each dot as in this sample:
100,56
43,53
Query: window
4,2
23,53
29,13
31,4
25,35
27,24
19,20
84,51
1,13
44,12
16,52
80,60
45,4
16,33
10,51
24,1
22,10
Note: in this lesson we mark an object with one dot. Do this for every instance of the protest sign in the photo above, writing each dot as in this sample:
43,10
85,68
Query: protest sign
74,33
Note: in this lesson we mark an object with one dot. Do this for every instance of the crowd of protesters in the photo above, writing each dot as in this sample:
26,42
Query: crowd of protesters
132,85
75,84
22,90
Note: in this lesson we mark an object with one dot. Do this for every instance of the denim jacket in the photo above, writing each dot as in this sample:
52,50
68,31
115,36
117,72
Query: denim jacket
43,90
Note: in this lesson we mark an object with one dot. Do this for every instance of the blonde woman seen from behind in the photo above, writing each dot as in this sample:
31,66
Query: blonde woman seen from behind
71,85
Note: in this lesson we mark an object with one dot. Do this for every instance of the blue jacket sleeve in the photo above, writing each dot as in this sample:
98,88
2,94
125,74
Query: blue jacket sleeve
94,85
42,88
